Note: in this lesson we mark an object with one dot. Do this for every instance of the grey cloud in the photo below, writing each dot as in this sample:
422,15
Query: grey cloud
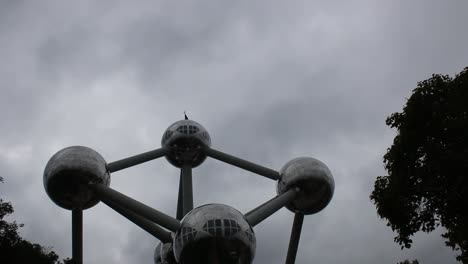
269,80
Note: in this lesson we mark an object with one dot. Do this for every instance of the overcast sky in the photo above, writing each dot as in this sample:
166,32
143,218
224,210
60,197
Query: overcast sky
270,80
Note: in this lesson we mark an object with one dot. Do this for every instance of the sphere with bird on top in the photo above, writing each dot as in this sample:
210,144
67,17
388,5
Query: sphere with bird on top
186,140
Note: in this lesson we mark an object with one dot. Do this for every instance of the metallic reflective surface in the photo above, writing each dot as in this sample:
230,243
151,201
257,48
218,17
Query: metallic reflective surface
112,197
314,180
265,210
167,254
157,254
68,173
164,254
186,140
214,233
243,164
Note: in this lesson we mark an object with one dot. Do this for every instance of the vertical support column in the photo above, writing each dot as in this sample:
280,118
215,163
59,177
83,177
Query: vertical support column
187,189
77,236
180,205
294,240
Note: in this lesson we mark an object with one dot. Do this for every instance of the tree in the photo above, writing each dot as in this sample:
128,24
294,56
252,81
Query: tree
409,262
14,249
427,164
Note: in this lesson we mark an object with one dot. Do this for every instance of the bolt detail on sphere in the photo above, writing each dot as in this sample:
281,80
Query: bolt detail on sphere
186,140
214,233
68,173
314,180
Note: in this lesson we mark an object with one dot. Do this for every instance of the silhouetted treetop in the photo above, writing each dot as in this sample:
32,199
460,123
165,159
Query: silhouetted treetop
14,249
409,262
427,164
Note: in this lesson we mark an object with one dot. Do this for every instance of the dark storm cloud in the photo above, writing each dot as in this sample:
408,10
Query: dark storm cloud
270,81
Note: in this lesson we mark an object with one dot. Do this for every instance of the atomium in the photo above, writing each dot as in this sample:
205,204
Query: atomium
69,171
77,178
186,140
314,180
214,233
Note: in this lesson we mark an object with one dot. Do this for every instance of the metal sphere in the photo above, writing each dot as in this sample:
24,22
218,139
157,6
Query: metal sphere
68,173
314,180
214,233
186,140
164,254
167,254
157,254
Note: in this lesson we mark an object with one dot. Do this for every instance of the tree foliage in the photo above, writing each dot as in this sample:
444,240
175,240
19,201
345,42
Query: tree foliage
14,249
427,164
409,262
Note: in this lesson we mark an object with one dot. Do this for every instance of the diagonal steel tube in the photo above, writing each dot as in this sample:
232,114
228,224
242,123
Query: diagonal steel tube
295,237
265,210
77,236
243,164
145,224
137,159
106,193
187,189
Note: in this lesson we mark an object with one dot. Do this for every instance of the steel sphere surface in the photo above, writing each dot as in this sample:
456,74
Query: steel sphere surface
186,140
214,233
157,254
164,254
68,173
167,254
314,180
